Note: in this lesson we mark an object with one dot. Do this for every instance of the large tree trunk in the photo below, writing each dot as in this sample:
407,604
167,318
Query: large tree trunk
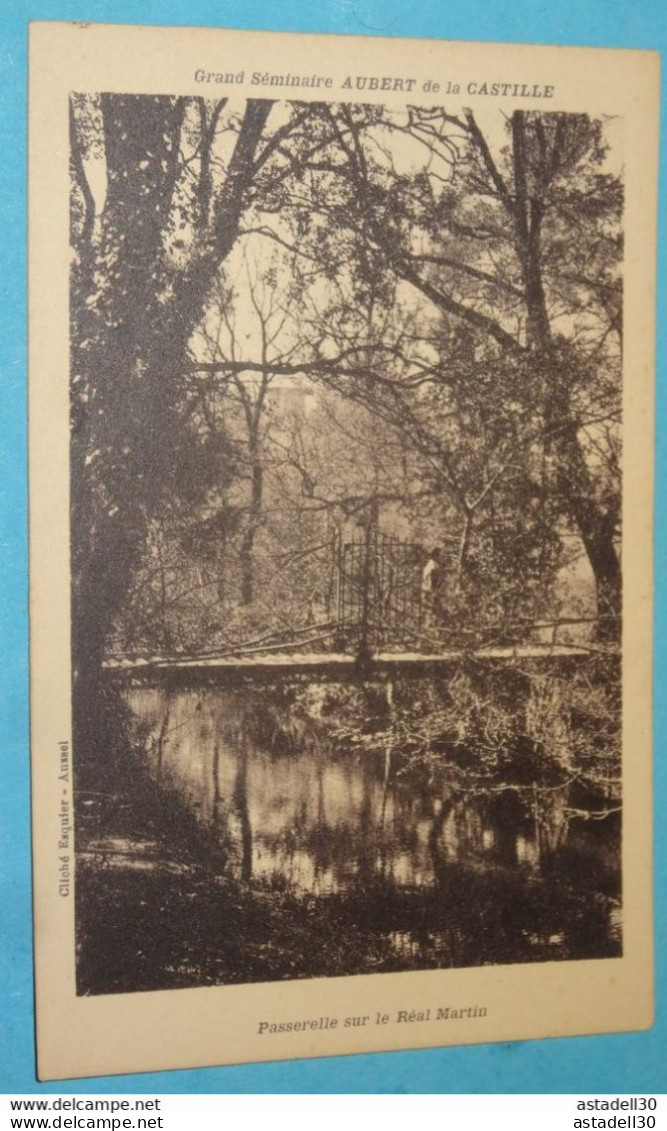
596,528
132,315
572,479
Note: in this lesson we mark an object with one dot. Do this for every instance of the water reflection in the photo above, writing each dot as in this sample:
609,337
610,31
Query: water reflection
517,865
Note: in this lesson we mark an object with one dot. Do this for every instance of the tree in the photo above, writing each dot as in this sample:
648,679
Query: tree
250,315
179,175
515,239
451,404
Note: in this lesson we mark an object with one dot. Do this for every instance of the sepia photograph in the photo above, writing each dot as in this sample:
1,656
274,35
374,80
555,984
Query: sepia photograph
340,559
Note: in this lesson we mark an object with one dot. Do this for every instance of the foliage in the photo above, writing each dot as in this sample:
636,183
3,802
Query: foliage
285,317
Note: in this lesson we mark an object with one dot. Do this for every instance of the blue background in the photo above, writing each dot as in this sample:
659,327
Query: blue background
627,1063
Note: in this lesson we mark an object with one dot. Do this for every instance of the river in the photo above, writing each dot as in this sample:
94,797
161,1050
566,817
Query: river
448,857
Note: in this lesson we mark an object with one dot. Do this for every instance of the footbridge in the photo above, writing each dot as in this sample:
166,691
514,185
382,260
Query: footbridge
381,620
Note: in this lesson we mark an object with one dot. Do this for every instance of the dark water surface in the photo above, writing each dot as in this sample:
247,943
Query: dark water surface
443,863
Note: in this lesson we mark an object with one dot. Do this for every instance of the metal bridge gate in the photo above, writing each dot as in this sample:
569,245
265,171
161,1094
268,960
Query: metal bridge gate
377,593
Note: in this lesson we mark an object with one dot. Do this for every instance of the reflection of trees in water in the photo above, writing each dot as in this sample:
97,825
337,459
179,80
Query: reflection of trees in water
241,805
446,857
526,824
366,840
215,779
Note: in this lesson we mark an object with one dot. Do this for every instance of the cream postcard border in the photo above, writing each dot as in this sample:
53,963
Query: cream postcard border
81,1036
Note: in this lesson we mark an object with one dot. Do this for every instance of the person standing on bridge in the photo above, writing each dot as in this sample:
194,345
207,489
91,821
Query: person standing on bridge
431,589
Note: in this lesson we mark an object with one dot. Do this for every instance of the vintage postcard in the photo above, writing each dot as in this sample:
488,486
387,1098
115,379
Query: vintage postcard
341,427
